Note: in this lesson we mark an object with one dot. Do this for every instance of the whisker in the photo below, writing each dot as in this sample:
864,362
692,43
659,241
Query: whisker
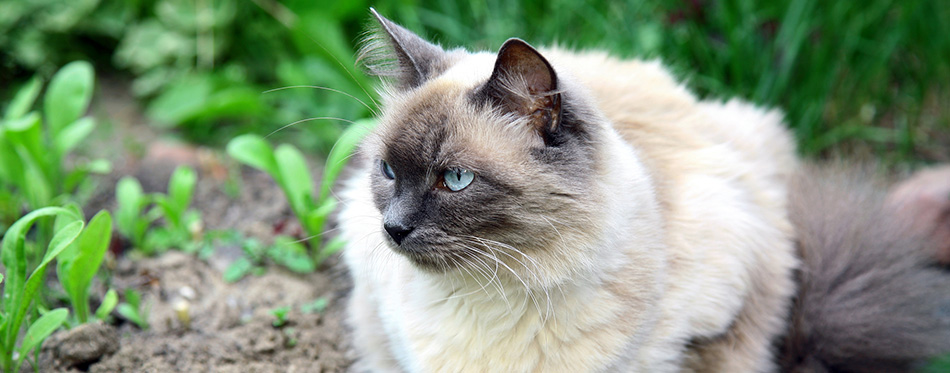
528,289
344,69
371,110
308,120
498,283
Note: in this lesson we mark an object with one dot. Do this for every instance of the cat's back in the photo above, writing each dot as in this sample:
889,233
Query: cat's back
661,118
720,172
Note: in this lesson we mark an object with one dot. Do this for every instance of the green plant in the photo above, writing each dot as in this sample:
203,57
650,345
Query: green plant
133,309
287,166
181,225
937,365
79,263
109,302
285,251
250,262
130,217
23,285
33,148
317,306
208,70
280,316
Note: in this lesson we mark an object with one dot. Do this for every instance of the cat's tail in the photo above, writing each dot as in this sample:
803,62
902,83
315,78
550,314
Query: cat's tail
871,297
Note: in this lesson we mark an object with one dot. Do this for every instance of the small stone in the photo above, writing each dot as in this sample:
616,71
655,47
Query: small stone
182,311
86,343
187,292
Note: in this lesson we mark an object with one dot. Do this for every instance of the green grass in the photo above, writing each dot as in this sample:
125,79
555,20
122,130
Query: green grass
855,77
850,76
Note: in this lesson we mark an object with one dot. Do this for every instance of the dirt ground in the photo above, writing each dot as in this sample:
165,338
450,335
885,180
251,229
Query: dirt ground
230,326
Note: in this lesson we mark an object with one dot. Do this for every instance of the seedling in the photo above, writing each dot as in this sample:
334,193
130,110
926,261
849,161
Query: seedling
287,166
250,262
109,301
133,310
291,338
280,316
33,147
21,286
285,251
181,224
131,221
317,306
79,263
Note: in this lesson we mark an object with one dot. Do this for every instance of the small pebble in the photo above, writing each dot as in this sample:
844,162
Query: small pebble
187,292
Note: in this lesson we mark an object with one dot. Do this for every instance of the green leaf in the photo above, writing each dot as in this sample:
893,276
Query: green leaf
237,270
23,124
38,192
131,201
253,151
73,134
133,297
19,291
98,166
318,305
37,333
181,187
180,101
332,247
314,220
229,102
24,99
280,315
132,309
109,301
12,252
68,95
291,254
297,183
341,152
26,134
76,273
132,314
11,167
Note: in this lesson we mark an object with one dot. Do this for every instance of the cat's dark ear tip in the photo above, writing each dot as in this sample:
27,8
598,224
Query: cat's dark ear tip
515,43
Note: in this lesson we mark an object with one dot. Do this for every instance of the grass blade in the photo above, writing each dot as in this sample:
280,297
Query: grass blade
37,333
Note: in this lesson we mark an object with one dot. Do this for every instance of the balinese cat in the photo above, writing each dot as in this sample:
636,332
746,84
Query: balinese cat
557,211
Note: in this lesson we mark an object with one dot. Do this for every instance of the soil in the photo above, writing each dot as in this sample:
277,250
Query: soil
229,327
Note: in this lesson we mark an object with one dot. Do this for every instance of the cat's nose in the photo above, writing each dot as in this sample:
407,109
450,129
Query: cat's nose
398,231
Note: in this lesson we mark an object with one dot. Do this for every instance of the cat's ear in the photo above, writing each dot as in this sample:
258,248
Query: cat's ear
397,52
524,83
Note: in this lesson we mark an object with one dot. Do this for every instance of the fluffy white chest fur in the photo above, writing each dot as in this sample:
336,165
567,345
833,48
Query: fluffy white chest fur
680,260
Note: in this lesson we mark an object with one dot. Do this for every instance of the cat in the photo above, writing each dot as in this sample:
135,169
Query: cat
522,211
549,210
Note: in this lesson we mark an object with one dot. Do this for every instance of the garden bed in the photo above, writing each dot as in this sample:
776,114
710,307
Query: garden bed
231,325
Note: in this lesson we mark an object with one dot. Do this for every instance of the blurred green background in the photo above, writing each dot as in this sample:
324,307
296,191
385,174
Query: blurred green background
858,78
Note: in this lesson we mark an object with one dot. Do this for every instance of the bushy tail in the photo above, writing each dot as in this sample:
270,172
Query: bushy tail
871,297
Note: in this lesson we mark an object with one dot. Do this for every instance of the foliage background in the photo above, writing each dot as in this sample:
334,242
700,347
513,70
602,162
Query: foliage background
867,78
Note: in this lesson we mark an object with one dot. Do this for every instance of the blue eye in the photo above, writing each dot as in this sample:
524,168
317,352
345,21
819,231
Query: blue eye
457,179
387,171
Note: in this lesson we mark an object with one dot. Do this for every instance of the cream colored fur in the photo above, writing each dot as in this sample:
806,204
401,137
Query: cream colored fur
686,264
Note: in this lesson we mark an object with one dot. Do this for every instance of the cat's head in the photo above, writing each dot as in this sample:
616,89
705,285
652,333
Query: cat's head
480,157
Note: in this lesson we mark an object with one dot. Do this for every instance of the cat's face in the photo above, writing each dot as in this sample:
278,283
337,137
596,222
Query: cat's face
469,170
